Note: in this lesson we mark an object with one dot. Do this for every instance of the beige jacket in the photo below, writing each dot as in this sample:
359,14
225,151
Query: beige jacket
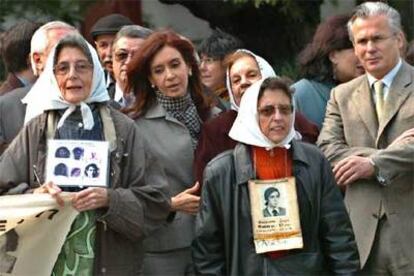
351,128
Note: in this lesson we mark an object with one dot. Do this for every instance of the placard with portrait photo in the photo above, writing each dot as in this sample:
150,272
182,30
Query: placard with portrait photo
79,163
275,215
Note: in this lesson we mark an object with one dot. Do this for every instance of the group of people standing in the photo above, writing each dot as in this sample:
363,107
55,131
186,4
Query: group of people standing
188,130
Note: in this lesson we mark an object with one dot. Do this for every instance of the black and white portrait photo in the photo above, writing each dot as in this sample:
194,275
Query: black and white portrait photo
273,206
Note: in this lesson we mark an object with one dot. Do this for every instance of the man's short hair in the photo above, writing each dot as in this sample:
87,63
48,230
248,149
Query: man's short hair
40,41
369,9
15,45
109,24
219,44
132,31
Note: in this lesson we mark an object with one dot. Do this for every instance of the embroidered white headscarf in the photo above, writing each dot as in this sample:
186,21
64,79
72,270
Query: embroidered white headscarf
46,95
246,127
265,68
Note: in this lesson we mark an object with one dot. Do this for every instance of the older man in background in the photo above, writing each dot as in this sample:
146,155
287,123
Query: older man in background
125,46
103,33
12,110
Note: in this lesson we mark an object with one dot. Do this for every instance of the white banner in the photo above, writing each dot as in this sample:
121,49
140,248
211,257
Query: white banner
33,228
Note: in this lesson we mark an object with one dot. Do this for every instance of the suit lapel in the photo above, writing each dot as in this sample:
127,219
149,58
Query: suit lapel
364,104
397,95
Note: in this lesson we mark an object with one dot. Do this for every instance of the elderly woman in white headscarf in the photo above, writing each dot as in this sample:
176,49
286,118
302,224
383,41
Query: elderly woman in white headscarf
243,69
267,151
69,101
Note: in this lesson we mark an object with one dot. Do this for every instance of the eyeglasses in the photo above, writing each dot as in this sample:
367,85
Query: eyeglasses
81,67
122,56
208,60
270,110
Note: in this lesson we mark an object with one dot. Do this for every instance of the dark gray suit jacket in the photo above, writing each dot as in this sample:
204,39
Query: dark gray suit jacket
12,112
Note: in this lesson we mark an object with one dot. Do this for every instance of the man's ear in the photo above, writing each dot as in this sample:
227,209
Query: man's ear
28,61
37,62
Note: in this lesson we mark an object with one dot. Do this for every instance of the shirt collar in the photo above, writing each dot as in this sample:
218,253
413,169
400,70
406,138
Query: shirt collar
119,94
24,81
388,78
108,79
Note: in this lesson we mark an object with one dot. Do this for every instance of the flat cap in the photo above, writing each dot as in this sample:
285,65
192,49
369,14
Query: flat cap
110,24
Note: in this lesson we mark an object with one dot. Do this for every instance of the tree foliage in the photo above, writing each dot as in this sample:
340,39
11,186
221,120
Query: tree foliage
274,29
68,11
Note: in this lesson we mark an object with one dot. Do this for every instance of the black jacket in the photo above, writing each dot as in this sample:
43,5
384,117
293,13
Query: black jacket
224,239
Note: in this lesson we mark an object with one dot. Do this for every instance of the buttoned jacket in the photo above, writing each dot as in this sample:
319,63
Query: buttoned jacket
351,128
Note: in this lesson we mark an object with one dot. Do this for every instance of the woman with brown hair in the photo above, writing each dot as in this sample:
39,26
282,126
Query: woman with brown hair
171,108
326,61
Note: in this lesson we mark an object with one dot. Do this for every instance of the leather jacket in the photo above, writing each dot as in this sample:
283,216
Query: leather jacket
224,238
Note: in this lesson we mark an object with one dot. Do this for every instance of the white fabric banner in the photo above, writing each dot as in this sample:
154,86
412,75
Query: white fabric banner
33,228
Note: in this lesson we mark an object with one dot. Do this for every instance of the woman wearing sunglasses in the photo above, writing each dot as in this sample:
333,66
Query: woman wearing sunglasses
267,151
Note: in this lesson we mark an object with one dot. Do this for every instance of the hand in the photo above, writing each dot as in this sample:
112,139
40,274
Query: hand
91,198
406,135
52,189
353,168
186,201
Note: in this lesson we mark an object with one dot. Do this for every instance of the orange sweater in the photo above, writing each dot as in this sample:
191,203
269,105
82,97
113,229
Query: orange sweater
273,164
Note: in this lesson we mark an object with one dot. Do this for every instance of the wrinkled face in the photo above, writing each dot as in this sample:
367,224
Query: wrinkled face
346,65
124,50
104,48
376,45
273,200
213,73
73,74
243,73
169,72
53,37
275,115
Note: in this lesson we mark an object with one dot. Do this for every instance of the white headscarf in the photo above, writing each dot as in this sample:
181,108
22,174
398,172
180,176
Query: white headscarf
246,127
265,68
45,93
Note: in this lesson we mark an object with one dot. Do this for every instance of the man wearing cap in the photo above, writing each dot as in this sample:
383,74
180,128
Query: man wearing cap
103,33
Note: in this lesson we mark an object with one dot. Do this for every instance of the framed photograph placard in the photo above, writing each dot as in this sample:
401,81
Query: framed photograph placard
275,215
78,163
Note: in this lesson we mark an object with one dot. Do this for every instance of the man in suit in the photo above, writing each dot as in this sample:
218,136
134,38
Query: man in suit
12,110
272,202
368,136
15,53
125,47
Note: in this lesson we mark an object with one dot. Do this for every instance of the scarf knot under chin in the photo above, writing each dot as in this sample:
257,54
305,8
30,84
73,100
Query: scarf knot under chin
86,112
